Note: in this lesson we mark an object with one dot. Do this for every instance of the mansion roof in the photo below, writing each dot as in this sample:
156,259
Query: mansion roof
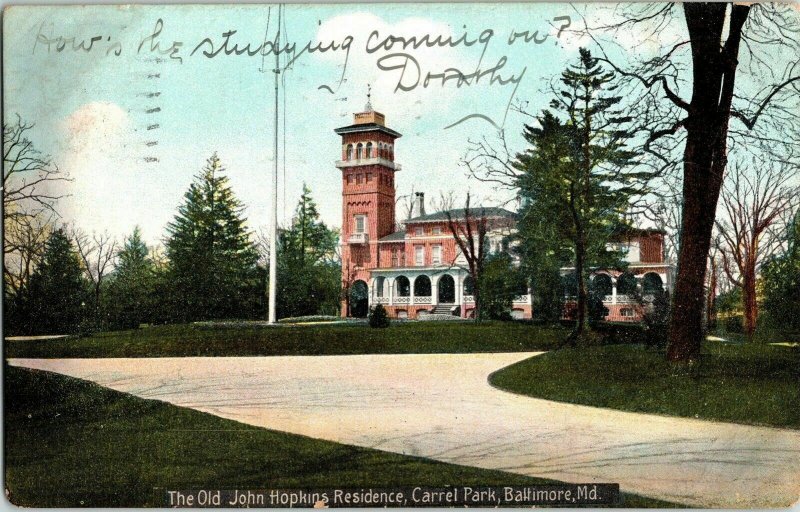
460,214
397,236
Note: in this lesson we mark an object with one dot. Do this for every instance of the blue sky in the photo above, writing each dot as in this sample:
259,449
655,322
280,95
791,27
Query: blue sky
92,109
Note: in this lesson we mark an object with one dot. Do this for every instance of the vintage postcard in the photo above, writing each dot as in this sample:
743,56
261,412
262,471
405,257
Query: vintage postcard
402,255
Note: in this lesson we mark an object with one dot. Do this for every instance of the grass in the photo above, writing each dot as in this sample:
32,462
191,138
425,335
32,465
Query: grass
72,443
252,340
750,383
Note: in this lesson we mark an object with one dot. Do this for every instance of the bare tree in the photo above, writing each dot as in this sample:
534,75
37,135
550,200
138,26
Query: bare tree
722,41
25,240
469,229
29,180
754,199
712,285
98,253
29,177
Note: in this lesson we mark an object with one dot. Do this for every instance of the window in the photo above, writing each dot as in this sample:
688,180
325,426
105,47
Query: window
349,179
361,223
369,150
436,254
626,312
419,255
359,152
359,179
437,230
419,231
349,151
369,177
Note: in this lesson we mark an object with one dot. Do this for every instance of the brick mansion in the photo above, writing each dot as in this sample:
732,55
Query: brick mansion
418,269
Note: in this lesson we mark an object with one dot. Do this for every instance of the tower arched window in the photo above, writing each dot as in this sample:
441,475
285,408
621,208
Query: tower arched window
390,152
380,150
349,151
369,150
359,151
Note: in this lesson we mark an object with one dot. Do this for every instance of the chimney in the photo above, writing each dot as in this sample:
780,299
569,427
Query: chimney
419,203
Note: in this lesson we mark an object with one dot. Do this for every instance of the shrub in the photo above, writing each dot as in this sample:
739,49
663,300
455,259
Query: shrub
378,318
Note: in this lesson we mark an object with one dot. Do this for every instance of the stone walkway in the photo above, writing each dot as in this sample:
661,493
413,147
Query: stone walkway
440,406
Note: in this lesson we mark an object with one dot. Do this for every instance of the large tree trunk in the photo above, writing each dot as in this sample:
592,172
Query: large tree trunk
580,324
749,300
705,159
711,298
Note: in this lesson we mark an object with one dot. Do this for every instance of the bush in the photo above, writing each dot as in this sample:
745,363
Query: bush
378,318
734,324
656,321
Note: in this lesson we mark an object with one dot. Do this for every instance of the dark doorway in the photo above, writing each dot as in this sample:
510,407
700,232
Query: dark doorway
447,290
359,303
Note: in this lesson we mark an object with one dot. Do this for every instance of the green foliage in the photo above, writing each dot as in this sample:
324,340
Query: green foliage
212,262
309,273
656,319
55,300
500,282
577,178
378,318
781,283
131,298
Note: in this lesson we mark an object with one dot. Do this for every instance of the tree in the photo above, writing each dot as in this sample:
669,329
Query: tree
212,261
132,287
577,177
754,199
781,281
97,253
308,264
500,283
55,299
25,240
30,181
469,230
722,40
29,177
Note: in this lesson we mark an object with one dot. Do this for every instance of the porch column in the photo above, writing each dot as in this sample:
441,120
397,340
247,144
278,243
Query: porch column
370,291
613,290
411,291
434,291
391,290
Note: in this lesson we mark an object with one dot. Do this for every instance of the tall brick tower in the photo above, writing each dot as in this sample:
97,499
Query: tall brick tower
368,196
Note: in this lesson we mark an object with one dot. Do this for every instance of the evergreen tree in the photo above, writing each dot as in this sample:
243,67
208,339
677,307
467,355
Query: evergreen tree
309,273
309,239
577,177
132,288
56,297
781,283
212,261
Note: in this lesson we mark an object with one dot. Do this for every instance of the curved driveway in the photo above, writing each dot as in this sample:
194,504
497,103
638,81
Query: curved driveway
440,406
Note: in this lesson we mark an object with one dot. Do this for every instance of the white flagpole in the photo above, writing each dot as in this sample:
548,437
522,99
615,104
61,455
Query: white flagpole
273,232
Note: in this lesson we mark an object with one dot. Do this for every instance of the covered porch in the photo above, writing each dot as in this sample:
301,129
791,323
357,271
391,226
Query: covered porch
416,292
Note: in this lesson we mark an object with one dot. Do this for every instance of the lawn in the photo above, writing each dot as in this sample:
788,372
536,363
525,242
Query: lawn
73,443
749,383
340,339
